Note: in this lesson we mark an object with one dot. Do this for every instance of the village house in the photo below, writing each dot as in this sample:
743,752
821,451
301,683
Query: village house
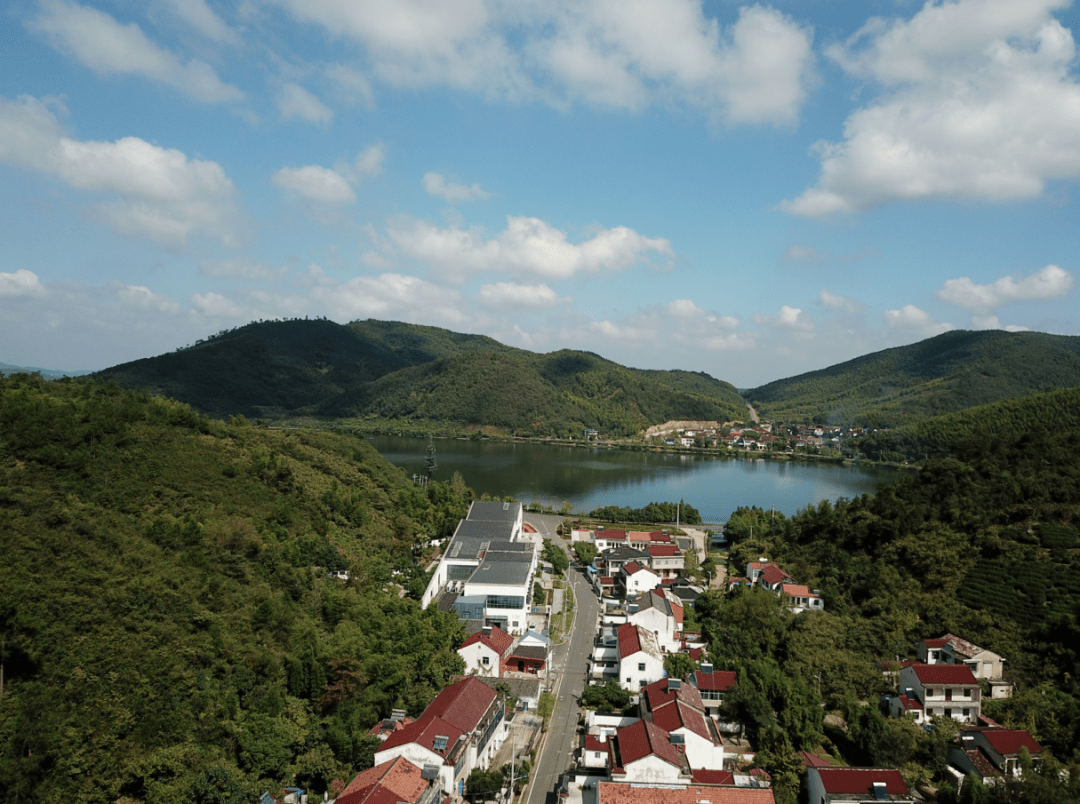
983,663
712,685
643,753
660,614
635,578
486,651
666,560
397,780
692,793
801,598
993,753
855,785
639,657
677,708
940,690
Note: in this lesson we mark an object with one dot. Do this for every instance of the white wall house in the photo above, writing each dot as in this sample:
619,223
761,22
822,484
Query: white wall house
945,690
640,660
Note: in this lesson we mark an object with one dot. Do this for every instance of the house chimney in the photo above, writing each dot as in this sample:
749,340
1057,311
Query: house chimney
486,631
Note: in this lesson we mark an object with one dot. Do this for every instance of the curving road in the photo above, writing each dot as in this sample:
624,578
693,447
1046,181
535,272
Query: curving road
569,662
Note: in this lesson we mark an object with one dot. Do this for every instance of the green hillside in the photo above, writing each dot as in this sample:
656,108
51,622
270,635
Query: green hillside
941,375
941,436
165,628
412,375
270,368
561,393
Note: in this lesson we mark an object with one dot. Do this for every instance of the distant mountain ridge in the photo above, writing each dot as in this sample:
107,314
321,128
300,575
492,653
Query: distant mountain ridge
412,373
944,374
49,374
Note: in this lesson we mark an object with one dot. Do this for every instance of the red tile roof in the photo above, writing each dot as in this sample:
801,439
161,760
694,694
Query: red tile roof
1010,741
940,642
616,793
629,640
663,550
856,781
718,680
797,590
680,716
611,535
817,760
388,726
657,695
396,780
634,567
499,641
463,703
943,673
909,704
594,743
642,739
720,777
423,732
773,575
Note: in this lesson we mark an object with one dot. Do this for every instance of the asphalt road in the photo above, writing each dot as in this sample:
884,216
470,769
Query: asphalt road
570,661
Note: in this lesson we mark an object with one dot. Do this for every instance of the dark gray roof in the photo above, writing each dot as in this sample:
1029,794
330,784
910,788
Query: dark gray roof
505,569
494,512
530,652
474,533
519,687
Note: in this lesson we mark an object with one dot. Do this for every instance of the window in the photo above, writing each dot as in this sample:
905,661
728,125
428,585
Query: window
628,680
641,666
484,660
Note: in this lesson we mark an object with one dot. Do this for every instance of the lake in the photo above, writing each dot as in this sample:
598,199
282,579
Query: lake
590,478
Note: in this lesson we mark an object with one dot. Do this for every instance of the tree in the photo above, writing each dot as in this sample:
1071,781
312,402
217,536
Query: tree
679,665
585,552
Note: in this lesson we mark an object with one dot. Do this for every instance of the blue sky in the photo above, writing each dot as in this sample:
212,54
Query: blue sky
753,191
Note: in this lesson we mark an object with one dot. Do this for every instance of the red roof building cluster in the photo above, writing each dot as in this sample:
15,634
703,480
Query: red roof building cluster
395,781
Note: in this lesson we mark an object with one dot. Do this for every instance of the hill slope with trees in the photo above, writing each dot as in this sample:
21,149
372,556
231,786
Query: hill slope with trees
950,372
406,373
168,622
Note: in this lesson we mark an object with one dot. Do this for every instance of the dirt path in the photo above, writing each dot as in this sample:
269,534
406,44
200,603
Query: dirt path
753,413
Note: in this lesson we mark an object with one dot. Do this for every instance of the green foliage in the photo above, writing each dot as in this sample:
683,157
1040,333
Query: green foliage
168,624
545,705
650,514
679,665
945,374
403,374
606,697
555,556
585,551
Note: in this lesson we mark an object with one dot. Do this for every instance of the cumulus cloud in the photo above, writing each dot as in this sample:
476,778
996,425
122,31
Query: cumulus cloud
315,183
834,302
910,318
293,101
977,101
391,296
1051,282
527,246
789,318
598,52
152,191
109,47
436,185
511,295
20,283
353,86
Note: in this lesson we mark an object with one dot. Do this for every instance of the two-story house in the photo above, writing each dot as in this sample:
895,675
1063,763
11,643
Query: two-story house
639,657
486,651
666,560
945,690
993,753
855,786
984,663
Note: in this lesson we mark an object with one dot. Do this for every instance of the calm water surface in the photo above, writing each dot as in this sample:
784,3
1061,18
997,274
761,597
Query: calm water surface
590,478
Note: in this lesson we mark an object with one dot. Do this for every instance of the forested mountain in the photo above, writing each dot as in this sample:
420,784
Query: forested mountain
941,375
164,629
941,436
413,374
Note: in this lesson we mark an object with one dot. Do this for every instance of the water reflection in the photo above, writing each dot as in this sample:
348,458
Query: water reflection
594,477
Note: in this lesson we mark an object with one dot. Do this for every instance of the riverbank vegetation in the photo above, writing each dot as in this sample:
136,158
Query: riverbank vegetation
169,619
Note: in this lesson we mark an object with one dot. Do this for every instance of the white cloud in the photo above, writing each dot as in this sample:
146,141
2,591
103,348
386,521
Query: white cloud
293,101
201,18
156,192
606,53
511,295
911,318
392,296
436,185
527,246
140,297
789,318
241,268
110,48
837,303
1050,282
214,305
20,283
315,183
978,102
368,162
